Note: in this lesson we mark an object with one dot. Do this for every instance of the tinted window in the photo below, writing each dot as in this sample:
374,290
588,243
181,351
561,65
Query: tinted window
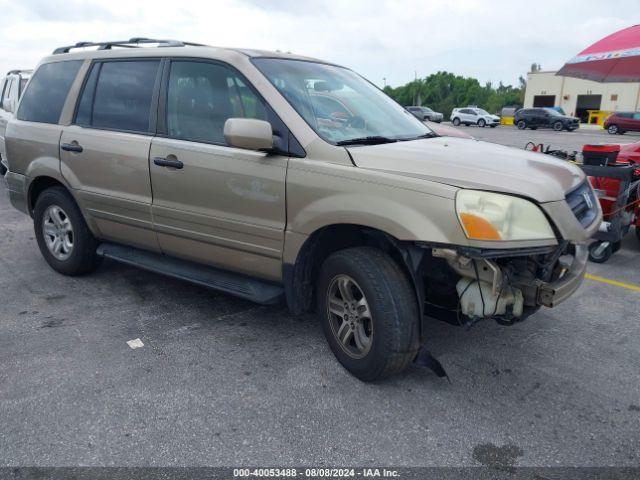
44,98
202,96
83,114
23,83
123,94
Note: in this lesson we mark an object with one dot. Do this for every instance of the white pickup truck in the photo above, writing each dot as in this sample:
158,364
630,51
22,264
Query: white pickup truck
11,86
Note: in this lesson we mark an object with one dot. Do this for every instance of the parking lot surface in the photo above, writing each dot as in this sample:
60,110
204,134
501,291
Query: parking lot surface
221,381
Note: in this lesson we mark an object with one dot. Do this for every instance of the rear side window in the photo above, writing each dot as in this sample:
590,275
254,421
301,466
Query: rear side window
44,98
118,95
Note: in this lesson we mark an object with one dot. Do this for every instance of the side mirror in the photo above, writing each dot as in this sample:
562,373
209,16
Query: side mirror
7,105
248,133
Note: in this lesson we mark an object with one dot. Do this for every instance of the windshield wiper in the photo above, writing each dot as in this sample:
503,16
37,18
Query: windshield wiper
372,140
426,135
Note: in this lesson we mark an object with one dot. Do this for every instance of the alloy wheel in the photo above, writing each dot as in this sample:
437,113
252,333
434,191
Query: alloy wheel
57,232
349,316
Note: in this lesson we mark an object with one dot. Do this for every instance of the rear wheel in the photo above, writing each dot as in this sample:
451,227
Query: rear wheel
368,311
481,123
613,129
62,234
456,121
521,124
558,126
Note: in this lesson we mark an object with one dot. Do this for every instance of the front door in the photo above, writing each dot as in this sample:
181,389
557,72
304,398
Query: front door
212,203
105,154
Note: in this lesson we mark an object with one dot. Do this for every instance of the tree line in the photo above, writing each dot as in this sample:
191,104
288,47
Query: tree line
444,91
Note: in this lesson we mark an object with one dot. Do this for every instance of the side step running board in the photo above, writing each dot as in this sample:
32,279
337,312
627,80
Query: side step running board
234,284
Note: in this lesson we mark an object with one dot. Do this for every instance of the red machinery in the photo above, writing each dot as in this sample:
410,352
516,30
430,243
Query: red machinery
614,173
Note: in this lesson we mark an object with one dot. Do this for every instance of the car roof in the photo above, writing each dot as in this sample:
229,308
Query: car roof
162,48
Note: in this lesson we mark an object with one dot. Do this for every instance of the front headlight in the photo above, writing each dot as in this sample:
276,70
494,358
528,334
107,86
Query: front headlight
492,216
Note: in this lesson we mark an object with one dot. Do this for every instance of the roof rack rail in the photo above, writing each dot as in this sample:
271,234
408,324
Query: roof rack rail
131,43
19,70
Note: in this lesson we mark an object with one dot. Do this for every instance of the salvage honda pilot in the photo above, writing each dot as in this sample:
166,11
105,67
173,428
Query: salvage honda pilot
272,176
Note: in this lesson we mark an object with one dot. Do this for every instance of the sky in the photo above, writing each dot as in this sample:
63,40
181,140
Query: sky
491,40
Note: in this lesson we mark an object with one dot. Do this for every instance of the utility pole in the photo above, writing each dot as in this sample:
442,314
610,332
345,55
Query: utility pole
384,80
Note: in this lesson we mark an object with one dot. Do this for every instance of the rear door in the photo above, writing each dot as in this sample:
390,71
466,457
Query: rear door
222,206
105,153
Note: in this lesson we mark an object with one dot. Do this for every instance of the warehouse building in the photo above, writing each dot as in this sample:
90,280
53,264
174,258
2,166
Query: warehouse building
577,97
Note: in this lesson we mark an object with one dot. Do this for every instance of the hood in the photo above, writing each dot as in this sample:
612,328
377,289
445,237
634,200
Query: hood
468,163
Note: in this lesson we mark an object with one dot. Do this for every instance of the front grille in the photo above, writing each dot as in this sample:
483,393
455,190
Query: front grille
583,203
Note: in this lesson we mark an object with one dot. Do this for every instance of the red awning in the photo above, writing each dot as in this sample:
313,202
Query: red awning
615,58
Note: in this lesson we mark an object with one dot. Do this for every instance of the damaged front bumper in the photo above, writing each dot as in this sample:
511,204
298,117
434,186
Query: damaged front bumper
551,294
507,285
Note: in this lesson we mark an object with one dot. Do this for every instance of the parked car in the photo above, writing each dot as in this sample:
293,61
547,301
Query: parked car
474,116
534,118
621,122
11,88
213,166
425,113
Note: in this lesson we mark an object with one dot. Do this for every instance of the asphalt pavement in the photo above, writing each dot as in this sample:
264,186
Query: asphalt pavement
223,382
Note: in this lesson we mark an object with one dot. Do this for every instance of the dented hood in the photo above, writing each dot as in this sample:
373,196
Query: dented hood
472,164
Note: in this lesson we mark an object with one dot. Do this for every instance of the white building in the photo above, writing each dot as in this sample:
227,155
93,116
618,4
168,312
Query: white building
576,96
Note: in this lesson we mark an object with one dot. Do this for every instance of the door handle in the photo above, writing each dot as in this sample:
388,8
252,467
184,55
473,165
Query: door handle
168,162
71,147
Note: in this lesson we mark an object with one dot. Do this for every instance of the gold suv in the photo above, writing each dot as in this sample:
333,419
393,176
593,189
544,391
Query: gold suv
273,176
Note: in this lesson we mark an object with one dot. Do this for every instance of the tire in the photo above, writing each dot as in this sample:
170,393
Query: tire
599,257
613,130
521,124
482,123
456,122
77,254
391,327
558,126
616,246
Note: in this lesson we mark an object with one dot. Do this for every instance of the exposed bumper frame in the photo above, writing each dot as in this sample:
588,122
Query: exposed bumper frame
551,294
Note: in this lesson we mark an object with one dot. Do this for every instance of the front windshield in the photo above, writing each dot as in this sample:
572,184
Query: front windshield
339,104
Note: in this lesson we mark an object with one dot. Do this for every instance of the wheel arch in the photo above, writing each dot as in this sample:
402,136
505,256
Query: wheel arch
37,186
300,277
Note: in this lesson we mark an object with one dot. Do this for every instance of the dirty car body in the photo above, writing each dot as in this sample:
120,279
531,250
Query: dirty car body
310,184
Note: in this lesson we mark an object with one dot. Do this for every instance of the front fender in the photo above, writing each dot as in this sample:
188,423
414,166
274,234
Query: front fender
322,195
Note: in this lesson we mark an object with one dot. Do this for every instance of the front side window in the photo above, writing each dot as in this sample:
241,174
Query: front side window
47,91
364,111
201,96
118,95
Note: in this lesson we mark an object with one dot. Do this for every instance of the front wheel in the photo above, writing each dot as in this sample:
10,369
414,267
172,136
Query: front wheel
558,126
613,130
62,234
456,122
481,123
368,311
521,124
